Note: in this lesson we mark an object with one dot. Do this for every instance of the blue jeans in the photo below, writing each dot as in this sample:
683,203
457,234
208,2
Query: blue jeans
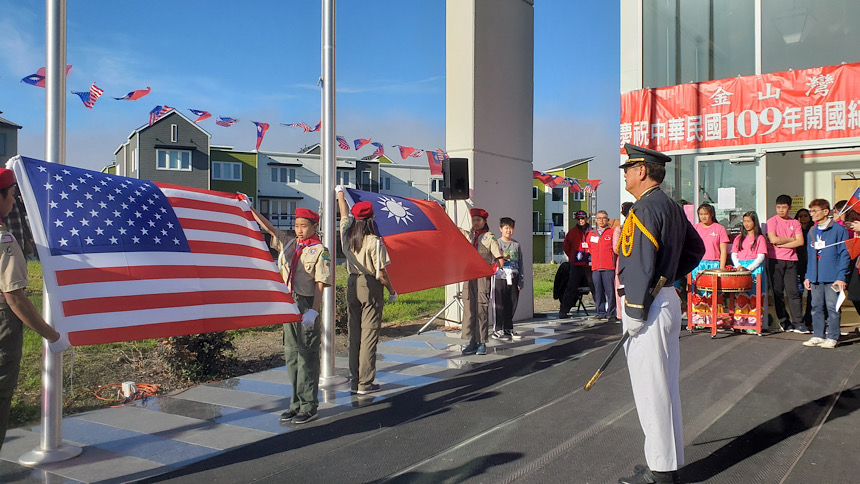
822,294
604,292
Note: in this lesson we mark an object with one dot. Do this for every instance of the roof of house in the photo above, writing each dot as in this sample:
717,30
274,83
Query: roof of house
170,113
571,164
9,123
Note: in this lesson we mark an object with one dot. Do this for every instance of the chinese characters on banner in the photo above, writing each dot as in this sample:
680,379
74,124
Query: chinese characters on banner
808,104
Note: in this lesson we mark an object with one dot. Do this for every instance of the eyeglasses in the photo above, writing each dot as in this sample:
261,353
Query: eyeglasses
636,165
602,218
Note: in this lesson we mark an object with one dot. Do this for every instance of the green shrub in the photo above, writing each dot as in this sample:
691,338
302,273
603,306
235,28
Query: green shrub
197,357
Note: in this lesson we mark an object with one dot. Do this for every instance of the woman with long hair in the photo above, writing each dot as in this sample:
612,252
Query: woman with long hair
749,251
805,220
716,240
366,259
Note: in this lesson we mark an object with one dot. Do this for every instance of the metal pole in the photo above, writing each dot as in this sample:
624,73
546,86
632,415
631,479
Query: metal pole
327,369
52,448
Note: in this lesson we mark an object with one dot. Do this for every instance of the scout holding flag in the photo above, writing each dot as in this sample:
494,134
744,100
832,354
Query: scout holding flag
305,265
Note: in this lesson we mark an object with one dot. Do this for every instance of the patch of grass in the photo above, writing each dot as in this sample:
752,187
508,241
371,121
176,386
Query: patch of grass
544,277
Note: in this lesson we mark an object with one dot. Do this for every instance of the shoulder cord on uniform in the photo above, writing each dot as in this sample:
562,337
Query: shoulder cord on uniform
625,242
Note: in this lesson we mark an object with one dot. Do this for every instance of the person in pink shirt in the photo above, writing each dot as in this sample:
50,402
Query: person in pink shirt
785,236
714,236
749,251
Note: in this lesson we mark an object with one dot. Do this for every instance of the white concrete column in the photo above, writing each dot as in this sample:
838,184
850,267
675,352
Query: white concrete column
489,116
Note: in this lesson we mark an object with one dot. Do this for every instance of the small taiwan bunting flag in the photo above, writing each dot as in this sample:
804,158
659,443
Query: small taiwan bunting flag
261,131
435,159
361,142
341,141
201,115
135,95
380,150
226,121
852,202
591,185
38,79
317,128
574,185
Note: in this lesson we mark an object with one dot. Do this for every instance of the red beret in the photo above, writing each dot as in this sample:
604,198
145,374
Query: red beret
480,212
7,178
308,214
362,210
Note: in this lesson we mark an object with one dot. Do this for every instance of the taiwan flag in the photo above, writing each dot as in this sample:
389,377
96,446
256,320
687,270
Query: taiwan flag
416,232
435,159
261,132
852,202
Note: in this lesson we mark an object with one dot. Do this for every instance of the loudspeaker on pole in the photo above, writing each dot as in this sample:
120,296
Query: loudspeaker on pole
455,178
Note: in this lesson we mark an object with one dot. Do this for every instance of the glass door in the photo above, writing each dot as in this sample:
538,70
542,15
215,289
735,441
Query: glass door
731,184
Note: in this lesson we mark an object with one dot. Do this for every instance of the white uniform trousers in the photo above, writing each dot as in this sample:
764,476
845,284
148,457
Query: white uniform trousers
654,360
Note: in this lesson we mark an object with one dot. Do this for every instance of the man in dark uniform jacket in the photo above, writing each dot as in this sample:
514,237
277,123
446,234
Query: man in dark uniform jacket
657,246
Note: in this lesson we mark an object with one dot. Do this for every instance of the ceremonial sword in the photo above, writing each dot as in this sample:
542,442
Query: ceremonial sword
587,387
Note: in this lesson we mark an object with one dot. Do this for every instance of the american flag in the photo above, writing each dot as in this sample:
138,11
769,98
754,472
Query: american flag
225,121
341,141
128,259
591,185
95,94
157,112
300,124
380,150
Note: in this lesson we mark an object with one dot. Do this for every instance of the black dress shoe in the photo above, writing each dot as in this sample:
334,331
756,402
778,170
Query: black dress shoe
644,475
305,417
287,416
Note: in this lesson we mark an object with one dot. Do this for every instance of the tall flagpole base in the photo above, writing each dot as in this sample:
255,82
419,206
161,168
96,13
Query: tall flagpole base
40,456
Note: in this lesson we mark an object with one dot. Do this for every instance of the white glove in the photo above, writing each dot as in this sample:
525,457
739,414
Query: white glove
392,296
309,318
634,326
62,344
338,188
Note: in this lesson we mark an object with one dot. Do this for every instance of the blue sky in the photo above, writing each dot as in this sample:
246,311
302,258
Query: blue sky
260,61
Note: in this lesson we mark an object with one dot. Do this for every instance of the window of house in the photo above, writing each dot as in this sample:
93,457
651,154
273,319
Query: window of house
343,177
577,196
282,174
133,160
174,133
558,219
226,170
2,144
535,222
534,192
386,183
173,160
436,185
557,194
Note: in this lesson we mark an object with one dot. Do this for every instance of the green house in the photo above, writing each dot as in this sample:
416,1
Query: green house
233,171
553,209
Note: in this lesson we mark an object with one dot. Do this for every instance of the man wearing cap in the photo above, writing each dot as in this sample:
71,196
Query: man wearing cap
576,248
476,293
657,247
305,265
15,306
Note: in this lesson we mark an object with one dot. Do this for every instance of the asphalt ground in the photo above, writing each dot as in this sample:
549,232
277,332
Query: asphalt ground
756,409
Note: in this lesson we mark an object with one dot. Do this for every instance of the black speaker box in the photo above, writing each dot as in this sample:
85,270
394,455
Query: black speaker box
455,178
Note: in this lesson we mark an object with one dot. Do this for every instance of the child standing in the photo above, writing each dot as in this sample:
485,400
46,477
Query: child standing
785,235
508,282
715,238
476,293
305,265
749,251
826,270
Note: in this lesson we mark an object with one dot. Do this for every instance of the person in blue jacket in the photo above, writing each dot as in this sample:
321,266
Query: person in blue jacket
826,270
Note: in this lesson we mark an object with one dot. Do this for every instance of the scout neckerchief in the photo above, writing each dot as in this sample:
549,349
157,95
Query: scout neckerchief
300,244
477,238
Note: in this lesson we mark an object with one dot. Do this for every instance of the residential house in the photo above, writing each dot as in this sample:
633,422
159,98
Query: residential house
8,140
553,209
172,150
233,171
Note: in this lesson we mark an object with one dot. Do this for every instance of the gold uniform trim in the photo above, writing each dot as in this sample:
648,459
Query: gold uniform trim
637,306
625,242
635,159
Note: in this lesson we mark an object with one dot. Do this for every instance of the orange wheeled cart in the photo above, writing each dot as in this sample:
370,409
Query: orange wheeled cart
719,309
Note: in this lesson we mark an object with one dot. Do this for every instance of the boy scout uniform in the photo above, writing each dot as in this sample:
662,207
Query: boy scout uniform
13,276
365,298
476,293
301,344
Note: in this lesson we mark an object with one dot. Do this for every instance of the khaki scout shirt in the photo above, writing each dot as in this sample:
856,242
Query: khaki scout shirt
488,246
314,263
13,265
370,259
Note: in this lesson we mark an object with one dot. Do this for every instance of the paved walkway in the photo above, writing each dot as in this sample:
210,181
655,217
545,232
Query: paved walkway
162,434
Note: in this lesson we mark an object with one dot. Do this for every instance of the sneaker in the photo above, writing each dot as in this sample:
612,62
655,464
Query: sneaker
515,336
500,335
374,387
814,341
470,348
563,316
800,329
829,344
287,416
305,417
597,318
482,349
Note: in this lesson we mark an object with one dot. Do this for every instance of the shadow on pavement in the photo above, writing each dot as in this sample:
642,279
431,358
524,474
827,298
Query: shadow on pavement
474,467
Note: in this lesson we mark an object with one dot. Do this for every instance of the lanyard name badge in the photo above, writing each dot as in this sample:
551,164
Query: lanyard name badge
819,242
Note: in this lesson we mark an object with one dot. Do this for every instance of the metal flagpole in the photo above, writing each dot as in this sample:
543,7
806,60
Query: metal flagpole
329,160
52,448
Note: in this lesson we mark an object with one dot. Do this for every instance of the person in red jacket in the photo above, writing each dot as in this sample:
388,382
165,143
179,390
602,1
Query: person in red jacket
602,267
576,248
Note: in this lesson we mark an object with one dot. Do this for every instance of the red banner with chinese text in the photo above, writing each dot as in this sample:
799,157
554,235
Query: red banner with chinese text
803,105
